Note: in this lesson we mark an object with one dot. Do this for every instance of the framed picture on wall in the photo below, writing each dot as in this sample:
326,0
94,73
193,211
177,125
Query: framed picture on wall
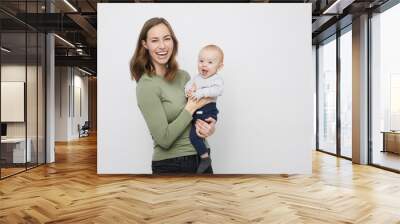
12,101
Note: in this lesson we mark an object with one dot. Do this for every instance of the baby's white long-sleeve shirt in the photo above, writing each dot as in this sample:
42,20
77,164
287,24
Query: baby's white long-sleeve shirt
209,87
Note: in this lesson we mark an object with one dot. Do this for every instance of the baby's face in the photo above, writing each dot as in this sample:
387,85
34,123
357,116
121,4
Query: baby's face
210,61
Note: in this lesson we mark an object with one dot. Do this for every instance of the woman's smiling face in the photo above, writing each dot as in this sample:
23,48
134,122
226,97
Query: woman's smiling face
159,43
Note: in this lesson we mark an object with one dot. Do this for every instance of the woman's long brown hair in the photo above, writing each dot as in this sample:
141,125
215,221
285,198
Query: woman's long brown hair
141,61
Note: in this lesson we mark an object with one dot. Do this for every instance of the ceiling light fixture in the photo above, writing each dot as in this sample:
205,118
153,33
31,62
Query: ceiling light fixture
84,71
64,40
5,49
338,6
70,5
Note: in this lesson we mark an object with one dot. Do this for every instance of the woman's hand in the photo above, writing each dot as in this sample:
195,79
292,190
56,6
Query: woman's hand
192,104
205,128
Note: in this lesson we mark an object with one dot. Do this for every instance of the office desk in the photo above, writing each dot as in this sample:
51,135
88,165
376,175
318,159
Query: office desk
391,141
13,150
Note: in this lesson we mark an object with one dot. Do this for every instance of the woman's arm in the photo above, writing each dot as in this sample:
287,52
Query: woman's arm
163,133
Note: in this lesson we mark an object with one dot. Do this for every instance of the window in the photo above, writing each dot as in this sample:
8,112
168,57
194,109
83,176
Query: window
385,89
346,94
327,96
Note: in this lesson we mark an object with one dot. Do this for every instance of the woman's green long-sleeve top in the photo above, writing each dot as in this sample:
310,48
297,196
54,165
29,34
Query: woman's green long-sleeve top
162,105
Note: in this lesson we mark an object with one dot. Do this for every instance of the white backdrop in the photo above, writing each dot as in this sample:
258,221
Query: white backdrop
265,123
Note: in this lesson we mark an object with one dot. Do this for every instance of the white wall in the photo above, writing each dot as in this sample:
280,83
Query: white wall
61,103
266,113
68,81
80,84
314,73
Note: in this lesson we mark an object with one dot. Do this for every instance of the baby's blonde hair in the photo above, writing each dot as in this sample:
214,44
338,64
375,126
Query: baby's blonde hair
216,48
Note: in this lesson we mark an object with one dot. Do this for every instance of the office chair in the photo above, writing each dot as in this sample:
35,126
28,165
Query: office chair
84,130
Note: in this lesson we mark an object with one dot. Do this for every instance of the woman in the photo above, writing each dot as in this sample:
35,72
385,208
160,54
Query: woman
161,99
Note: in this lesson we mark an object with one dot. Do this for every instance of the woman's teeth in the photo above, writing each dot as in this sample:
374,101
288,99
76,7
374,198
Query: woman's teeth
162,53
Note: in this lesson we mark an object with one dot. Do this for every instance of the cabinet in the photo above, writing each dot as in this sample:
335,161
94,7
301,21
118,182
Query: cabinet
391,141
13,151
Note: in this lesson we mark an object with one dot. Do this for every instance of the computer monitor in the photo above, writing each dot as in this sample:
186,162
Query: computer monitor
3,129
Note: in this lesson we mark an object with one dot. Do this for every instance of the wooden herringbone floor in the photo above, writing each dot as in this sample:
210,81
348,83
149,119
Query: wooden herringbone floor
70,191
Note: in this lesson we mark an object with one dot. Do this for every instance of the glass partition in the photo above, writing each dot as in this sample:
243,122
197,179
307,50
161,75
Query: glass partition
385,89
327,96
32,95
346,94
22,77
41,91
13,110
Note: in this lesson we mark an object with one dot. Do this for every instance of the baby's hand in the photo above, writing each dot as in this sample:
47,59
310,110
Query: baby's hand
189,94
197,95
191,91
193,97
193,88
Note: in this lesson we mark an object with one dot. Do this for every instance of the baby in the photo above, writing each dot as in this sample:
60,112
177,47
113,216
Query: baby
206,84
